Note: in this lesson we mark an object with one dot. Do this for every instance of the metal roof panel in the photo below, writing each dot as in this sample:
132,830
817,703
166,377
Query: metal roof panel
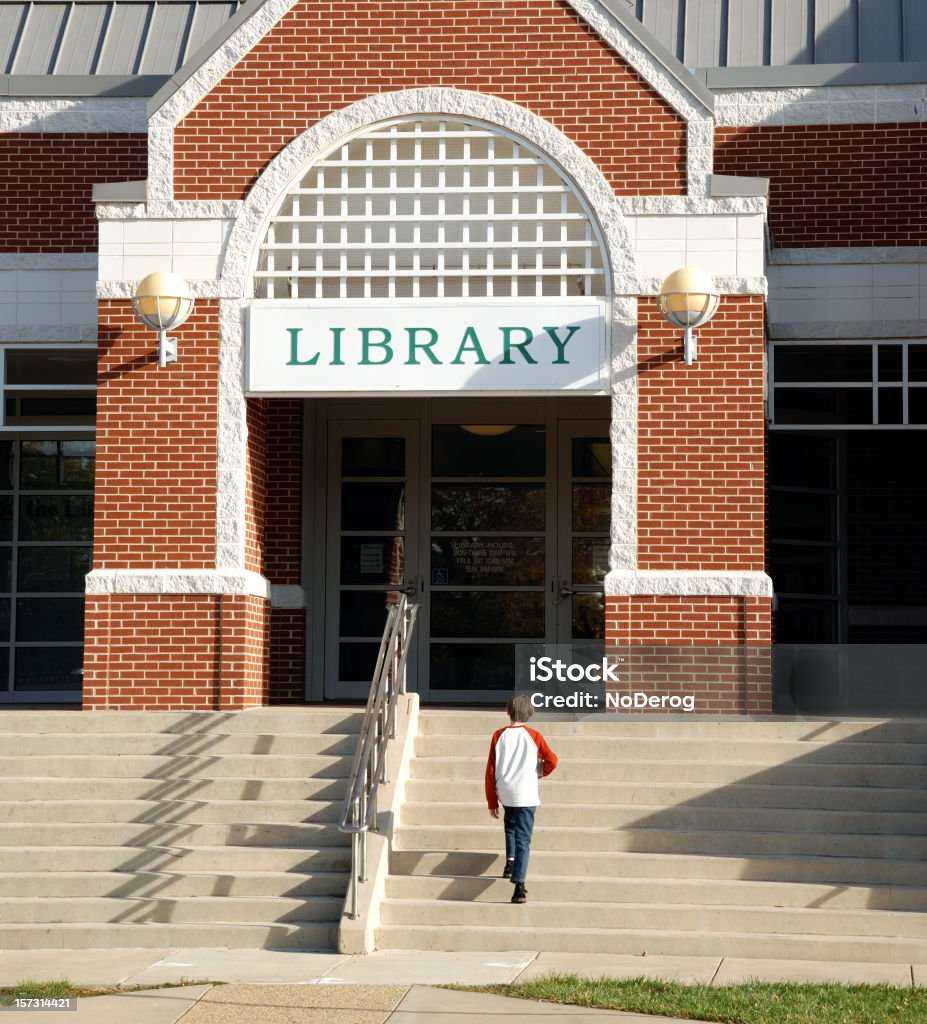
125,34
791,32
39,39
11,18
81,39
914,14
664,18
207,20
747,35
880,31
166,37
836,31
704,34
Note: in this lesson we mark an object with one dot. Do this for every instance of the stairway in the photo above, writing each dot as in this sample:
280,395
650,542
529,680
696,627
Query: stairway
156,829
775,838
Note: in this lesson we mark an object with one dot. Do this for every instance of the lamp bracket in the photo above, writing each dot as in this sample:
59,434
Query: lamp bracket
689,347
167,349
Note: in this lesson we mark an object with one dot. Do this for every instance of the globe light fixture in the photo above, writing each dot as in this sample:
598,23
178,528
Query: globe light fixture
688,299
163,301
487,429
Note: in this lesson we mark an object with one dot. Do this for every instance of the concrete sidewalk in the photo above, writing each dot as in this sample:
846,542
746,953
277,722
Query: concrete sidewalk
293,987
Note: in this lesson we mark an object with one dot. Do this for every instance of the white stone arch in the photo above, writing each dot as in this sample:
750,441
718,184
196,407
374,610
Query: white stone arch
312,145
316,142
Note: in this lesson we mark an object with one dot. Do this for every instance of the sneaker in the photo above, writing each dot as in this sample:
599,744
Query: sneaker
520,893
507,870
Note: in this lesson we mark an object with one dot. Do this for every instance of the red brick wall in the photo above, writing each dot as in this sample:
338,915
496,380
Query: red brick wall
174,652
152,651
255,484
283,553
687,620
539,55
835,185
701,448
245,623
715,650
46,181
156,444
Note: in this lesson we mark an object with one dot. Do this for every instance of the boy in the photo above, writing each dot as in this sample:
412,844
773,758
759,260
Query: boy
512,780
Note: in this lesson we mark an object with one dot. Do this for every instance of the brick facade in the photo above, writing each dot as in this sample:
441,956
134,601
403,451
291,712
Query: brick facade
283,558
46,184
715,649
156,444
538,55
702,439
835,185
175,652
700,482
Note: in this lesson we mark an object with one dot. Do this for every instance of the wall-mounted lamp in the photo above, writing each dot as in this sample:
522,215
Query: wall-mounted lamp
688,299
162,302
487,429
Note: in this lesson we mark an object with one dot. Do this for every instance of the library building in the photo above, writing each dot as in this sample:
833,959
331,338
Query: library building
570,322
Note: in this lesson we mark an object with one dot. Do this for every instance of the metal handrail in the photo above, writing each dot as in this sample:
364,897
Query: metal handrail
369,769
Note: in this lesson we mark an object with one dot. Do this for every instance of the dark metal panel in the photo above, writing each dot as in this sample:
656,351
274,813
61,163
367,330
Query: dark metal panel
124,38
747,34
880,30
81,40
207,20
165,38
39,38
914,29
664,19
703,33
790,36
836,29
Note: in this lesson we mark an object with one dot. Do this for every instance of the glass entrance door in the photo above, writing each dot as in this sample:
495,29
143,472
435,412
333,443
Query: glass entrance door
500,529
584,529
372,550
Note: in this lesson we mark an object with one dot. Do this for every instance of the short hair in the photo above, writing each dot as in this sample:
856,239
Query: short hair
519,707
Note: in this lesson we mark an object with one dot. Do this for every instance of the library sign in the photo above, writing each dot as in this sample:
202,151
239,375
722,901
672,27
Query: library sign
515,346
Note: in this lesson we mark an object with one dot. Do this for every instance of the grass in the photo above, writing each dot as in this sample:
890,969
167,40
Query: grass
754,1002
61,988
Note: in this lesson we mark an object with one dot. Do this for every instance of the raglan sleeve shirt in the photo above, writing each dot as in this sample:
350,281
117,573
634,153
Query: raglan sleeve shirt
511,769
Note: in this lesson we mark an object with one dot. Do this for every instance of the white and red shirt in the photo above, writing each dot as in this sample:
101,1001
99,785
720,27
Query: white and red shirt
512,768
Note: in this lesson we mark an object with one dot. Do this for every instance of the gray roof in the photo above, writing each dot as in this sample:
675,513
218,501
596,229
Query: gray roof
778,33
137,47
95,37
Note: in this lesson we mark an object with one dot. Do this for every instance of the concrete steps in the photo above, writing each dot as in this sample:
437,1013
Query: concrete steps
769,838
149,829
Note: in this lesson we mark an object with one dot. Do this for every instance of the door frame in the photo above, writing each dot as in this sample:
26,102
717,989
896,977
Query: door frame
426,411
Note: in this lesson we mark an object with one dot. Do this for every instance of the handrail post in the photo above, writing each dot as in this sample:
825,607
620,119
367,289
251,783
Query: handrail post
371,761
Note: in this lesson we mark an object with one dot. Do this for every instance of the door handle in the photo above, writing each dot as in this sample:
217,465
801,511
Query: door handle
411,589
566,591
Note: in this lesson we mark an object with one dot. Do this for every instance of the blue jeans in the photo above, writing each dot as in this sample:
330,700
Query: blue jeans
519,824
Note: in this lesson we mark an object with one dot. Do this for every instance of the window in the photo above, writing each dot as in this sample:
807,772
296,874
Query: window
46,535
849,385
431,208
49,386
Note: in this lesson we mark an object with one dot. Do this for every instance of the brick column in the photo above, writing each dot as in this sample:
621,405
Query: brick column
698,591
164,628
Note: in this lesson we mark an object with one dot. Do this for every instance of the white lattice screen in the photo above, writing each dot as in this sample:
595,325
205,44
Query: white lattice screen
431,208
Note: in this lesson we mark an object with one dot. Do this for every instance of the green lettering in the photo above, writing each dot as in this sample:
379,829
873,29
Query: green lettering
294,343
425,346
474,345
367,343
336,347
561,345
522,346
